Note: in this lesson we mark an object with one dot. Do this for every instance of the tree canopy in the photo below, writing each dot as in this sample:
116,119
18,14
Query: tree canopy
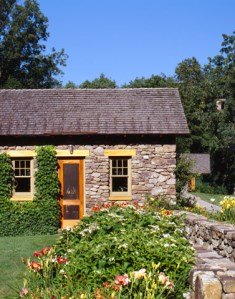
24,62
101,82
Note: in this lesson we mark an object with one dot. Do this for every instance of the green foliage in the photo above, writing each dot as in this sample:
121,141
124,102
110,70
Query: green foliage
70,85
40,216
23,61
12,251
6,176
101,82
182,172
46,178
152,82
113,242
211,130
205,187
227,213
28,218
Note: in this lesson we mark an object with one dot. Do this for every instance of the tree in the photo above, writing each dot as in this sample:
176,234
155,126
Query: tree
23,61
70,85
154,81
101,82
211,130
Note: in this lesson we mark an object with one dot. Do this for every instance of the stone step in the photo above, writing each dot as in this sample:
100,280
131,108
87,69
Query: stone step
213,276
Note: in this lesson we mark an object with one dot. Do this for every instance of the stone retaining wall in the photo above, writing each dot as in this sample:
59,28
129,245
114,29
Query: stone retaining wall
213,277
213,235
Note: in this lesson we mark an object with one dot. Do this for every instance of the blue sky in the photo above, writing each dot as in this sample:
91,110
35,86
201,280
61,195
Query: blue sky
125,39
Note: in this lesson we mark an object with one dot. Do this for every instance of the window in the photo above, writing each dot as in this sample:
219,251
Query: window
23,168
120,178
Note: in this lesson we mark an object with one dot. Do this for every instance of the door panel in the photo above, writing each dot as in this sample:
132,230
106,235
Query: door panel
72,191
71,181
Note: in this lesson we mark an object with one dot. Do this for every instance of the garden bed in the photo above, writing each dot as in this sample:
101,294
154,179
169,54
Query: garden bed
119,252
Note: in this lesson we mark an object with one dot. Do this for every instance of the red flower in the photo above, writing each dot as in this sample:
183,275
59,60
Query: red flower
122,280
35,266
42,252
116,287
61,260
96,208
106,284
106,205
45,250
37,253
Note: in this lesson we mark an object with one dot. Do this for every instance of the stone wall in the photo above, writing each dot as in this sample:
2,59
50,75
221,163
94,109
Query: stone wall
213,276
152,170
213,235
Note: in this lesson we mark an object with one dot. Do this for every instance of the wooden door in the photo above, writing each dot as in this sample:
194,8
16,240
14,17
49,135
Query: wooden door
72,191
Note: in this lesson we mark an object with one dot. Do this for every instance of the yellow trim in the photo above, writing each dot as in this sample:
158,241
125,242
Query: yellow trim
69,223
128,197
120,152
22,198
59,153
76,153
21,153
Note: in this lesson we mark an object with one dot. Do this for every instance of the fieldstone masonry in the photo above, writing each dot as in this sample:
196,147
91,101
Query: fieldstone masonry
152,170
213,276
211,234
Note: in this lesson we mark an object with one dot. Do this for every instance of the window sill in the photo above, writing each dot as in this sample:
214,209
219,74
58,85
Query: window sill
118,197
22,198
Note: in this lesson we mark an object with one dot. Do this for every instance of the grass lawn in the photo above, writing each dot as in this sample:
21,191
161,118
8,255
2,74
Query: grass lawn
12,250
207,197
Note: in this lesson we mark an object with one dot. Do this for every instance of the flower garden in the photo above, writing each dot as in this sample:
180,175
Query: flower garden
227,213
121,251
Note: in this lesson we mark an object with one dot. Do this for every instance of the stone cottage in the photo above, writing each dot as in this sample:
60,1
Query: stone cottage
112,144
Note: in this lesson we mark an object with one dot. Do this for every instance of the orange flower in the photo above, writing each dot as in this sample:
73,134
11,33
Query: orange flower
35,266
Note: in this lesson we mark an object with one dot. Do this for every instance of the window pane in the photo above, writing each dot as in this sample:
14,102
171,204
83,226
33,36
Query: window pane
27,164
17,164
114,171
28,172
22,172
17,172
22,163
119,184
22,185
125,171
124,163
71,212
119,163
119,171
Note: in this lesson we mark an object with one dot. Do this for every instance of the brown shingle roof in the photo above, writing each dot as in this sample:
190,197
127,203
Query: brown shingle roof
91,111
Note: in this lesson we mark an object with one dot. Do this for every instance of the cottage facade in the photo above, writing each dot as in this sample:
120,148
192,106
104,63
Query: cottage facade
111,144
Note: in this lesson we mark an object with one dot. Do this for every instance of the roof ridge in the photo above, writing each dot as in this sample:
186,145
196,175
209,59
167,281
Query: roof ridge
90,89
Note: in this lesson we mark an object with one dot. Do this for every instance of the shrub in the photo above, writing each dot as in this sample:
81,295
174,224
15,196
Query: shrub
205,187
182,172
6,176
115,253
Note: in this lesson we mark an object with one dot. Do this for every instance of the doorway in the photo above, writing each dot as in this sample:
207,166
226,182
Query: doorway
71,177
